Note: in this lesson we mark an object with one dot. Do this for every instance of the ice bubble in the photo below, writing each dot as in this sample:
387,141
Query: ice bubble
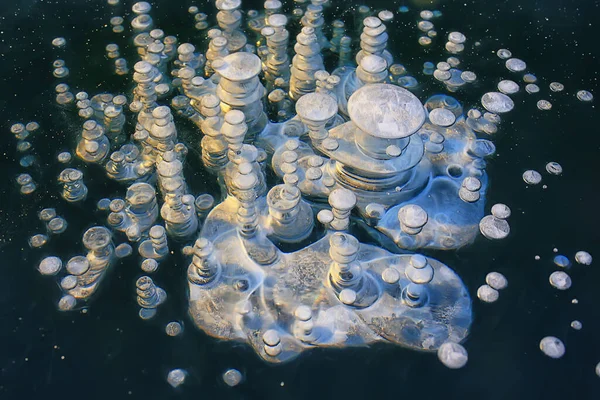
497,102
532,177
176,377
487,293
232,377
560,280
552,347
453,355
583,258
496,280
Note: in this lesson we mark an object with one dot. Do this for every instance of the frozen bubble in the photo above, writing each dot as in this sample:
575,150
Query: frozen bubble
496,280
598,369
428,65
532,88
232,377
497,102
584,95
386,15
50,266
118,29
468,76
193,10
57,225
529,78
453,61
61,72
552,347
424,41
583,258
453,355
560,280
577,325
426,14
432,33
457,37
562,261
24,179
504,54
501,211
38,240
515,65
544,105
442,75
537,258
403,9
67,303
47,214
532,177
454,48
554,168
443,66
113,2
508,87
28,188
32,126
176,377
442,117
557,87
64,157
77,266
425,26
487,293
149,265
59,42
494,228
114,21
408,82
27,161
574,301
173,329
123,250
103,204
68,282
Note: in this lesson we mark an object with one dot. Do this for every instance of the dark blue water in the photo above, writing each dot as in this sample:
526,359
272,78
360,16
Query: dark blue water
108,352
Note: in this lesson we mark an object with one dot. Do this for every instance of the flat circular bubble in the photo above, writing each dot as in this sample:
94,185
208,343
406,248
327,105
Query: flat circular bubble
544,105
386,111
64,157
232,377
554,168
560,280
562,261
532,177
149,265
577,325
557,87
494,228
424,41
442,76
501,211
442,117
59,42
38,240
408,82
496,280
487,293
453,355
173,329
50,266
426,14
583,258
529,78
425,26
504,54
468,76
598,369
498,103
457,37
552,347
47,214
123,250
515,65
508,87
67,303
532,88
176,377
584,95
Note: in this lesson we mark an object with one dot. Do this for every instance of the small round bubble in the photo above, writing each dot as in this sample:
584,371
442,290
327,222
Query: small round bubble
173,329
532,177
560,280
562,261
557,87
554,168
577,325
496,280
487,294
583,258
176,377
584,95
453,355
232,377
544,105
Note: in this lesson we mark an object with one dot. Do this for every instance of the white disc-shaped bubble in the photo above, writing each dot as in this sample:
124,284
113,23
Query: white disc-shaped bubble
557,87
426,14
67,303
532,177
552,347
497,102
494,228
554,168
529,78
59,42
442,75
504,54
515,65
583,258
598,369
487,293
508,87
453,355
560,280
232,377
50,266
577,325
532,88
501,211
496,280
544,105
584,95
442,117
176,377
468,76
